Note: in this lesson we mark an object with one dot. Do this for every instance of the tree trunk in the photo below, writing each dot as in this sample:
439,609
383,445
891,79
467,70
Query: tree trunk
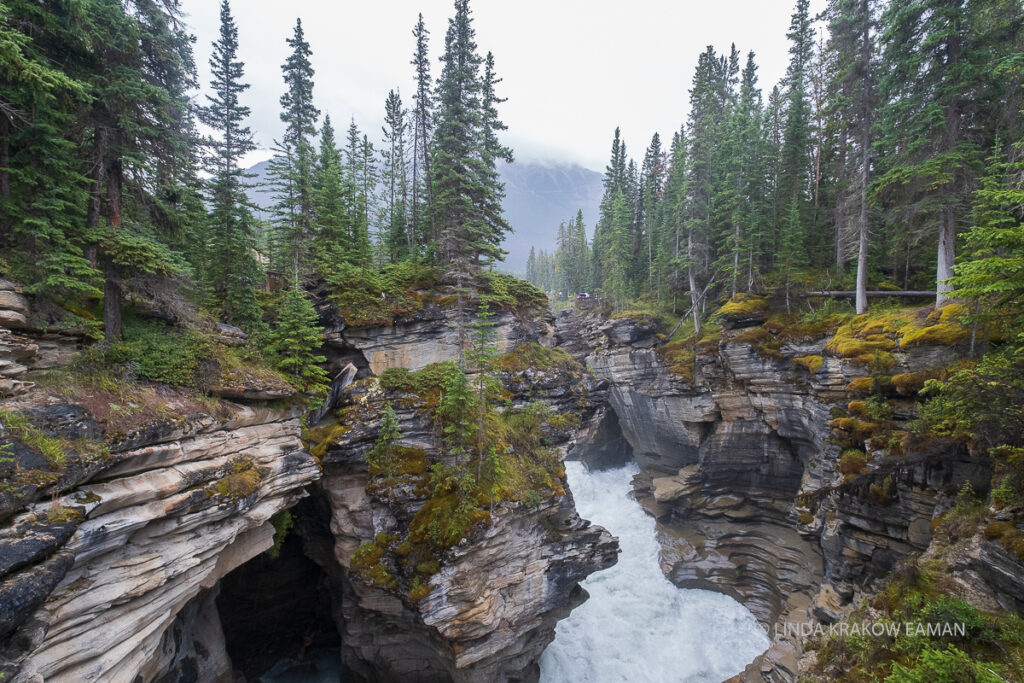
865,163
693,282
946,256
96,177
5,175
111,271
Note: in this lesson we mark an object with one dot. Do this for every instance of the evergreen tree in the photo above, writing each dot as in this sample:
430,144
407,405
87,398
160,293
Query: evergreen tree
466,192
401,235
291,169
993,274
531,266
852,102
422,126
355,187
333,219
368,178
492,152
793,171
295,341
382,456
233,270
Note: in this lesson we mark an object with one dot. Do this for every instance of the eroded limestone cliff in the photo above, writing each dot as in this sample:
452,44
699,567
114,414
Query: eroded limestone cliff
124,515
740,444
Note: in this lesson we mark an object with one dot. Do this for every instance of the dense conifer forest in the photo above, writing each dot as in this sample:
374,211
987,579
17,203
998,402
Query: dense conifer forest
887,158
121,190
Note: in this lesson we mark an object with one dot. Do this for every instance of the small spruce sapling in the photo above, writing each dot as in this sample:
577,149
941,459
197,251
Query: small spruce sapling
295,340
382,456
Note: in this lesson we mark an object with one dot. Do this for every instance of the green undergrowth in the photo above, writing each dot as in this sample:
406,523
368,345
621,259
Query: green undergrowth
59,453
425,385
368,297
20,427
181,356
984,646
491,453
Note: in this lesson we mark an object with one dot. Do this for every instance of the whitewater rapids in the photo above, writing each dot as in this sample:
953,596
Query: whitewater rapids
637,625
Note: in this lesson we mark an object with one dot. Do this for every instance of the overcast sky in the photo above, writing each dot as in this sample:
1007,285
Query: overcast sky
572,69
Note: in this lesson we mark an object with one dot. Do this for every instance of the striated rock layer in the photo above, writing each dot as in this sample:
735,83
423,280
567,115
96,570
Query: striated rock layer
119,564
742,473
494,604
157,529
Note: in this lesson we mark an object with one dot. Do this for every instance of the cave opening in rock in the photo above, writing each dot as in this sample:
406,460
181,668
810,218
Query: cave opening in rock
602,445
276,614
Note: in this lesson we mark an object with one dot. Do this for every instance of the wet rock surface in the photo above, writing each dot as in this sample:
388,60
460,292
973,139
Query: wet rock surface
742,473
499,593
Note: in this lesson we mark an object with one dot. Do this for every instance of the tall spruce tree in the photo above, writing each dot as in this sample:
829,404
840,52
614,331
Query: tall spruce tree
466,192
852,103
333,217
355,187
233,269
794,167
291,169
401,235
422,127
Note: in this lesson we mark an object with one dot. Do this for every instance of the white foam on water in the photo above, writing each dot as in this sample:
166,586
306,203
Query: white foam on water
637,625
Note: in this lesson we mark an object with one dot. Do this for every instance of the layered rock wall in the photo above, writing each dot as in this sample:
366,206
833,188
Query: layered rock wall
164,523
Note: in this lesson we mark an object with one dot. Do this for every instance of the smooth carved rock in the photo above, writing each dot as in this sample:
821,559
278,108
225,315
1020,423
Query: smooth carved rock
153,538
13,301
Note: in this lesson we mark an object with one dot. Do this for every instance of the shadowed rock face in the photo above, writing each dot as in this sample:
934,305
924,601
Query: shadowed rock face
156,533
732,456
723,458
498,595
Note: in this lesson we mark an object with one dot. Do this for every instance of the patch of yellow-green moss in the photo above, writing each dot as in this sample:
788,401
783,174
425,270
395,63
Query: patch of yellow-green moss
811,363
367,563
60,514
743,304
679,357
418,590
854,431
853,462
946,333
325,435
766,344
242,481
532,355
861,385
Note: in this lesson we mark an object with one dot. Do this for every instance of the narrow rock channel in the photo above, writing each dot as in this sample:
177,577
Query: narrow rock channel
636,622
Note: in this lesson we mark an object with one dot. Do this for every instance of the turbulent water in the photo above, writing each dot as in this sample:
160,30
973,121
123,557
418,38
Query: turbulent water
638,626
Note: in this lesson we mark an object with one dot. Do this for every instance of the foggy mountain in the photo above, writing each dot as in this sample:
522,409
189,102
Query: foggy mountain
537,198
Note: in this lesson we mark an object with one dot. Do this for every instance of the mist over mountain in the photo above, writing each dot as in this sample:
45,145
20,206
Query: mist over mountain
538,196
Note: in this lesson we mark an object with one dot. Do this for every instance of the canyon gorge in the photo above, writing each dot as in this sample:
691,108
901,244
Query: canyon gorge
143,554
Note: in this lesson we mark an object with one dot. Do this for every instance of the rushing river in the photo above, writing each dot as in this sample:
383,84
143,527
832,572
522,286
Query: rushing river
638,626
